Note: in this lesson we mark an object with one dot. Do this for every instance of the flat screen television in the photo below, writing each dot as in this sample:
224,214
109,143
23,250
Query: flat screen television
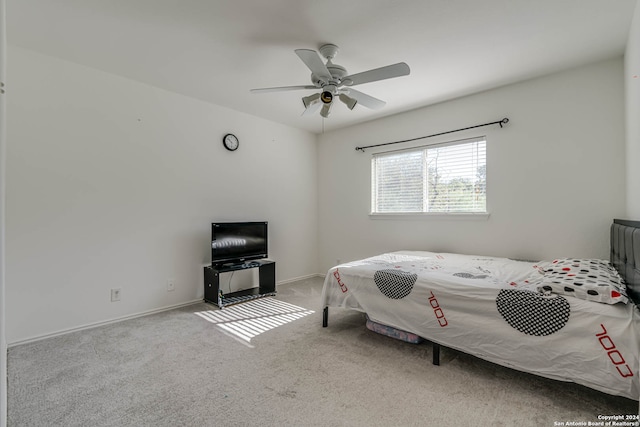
237,242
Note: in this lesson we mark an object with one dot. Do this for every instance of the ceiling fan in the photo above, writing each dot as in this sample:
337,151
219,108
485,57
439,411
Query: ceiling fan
334,82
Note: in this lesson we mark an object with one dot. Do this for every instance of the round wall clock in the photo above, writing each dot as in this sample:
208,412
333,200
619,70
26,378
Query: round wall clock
230,142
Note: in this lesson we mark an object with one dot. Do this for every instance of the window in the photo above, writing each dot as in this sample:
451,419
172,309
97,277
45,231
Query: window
443,178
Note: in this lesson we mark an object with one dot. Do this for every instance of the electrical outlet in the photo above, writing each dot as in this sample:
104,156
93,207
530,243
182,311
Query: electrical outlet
115,294
171,285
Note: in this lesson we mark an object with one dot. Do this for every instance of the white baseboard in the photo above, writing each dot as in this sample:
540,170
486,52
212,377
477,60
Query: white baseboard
296,279
102,323
133,316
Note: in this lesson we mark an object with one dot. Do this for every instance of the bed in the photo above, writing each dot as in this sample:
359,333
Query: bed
568,319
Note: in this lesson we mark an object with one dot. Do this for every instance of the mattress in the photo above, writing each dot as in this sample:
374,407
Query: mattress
491,308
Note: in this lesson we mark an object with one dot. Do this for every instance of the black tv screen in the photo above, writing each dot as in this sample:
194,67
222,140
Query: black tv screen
236,242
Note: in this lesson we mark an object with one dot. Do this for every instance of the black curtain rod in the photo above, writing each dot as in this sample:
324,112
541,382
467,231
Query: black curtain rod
499,122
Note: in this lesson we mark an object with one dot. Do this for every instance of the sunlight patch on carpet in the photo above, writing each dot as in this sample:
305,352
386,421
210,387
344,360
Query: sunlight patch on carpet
249,319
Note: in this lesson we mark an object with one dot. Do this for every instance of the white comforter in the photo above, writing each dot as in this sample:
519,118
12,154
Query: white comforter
489,307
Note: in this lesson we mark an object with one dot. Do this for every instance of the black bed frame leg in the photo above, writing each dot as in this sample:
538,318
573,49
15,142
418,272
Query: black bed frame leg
436,353
325,317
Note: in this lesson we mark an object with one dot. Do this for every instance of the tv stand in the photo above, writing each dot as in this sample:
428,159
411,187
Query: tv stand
266,285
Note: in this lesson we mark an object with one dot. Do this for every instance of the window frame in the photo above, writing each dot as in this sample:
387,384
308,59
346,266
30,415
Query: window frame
464,215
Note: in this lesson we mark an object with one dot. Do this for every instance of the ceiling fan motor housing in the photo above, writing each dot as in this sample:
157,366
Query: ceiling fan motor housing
338,72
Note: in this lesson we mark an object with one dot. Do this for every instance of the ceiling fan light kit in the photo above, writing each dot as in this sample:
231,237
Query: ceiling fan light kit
326,97
326,109
311,99
348,101
334,81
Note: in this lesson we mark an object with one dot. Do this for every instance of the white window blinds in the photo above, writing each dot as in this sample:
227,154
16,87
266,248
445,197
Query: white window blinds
439,178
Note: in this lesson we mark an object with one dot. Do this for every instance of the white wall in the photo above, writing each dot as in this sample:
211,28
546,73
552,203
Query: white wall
632,93
114,184
555,173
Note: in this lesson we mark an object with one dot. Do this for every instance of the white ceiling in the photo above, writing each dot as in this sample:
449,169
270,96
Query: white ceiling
216,50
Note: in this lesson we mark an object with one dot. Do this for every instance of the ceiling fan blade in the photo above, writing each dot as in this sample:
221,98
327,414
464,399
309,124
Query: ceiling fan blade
382,73
364,99
313,61
281,89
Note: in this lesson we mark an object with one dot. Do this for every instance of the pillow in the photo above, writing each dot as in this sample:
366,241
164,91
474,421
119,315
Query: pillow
589,279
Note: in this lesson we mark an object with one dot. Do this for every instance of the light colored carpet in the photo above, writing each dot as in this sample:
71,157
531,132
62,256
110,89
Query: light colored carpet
181,368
